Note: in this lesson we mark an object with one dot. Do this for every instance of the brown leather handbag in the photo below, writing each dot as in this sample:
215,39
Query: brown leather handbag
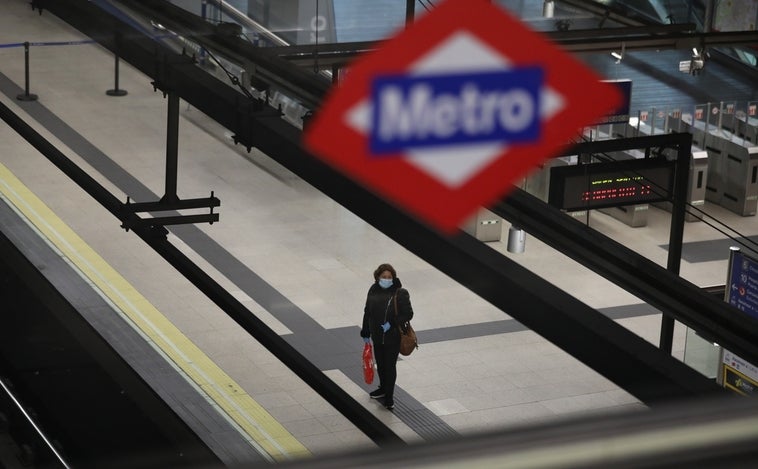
408,339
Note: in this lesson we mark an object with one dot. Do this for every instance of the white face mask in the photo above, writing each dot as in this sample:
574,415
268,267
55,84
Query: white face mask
385,282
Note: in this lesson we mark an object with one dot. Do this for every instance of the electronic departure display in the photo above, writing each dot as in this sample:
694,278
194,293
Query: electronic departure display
600,185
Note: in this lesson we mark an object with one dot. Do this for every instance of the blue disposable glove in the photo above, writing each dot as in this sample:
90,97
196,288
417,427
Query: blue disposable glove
386,326
367,340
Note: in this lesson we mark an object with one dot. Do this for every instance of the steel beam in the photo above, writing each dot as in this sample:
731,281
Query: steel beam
179,204
172,148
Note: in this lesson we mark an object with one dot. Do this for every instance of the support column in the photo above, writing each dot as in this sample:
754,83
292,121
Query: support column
26,96
116,91
172,147
676,235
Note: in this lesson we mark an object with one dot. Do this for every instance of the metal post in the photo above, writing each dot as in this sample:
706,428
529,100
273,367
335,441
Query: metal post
721,116
116,91
26,96
172,148
676,235
410,11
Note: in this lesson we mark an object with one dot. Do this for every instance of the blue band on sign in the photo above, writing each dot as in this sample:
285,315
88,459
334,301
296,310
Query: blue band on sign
419,111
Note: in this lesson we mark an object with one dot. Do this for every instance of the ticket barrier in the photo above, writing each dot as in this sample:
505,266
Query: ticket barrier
699,137
698,173
713,143
655,122
732,164
740,176
698,130
698,176
747,129
732,172
641,129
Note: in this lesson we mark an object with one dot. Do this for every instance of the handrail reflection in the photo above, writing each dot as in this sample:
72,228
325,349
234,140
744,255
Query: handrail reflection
244,20
27,419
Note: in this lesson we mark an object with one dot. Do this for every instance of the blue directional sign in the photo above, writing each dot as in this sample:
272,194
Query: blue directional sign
742,286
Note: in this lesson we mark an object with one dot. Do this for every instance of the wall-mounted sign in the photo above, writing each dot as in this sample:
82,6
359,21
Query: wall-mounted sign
742,283
739,375
614,184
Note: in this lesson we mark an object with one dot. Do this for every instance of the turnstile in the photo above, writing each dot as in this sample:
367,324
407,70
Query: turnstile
641,129
732,167
698,177
698,173
747,128
740,176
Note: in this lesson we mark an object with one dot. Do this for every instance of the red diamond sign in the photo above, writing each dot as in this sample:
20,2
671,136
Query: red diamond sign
447,115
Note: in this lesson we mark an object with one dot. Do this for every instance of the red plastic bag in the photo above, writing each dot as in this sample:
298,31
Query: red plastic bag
368,364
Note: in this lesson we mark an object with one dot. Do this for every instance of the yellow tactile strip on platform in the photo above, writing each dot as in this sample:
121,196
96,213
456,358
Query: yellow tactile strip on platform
263,431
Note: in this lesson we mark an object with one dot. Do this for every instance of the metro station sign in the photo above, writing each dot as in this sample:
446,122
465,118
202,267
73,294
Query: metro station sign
450,113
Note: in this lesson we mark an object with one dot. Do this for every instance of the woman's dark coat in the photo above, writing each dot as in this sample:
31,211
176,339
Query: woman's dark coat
380,309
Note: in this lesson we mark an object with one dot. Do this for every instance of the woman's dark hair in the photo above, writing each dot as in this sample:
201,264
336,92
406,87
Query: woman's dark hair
382,268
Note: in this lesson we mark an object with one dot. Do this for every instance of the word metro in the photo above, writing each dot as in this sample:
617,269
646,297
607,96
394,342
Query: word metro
416,111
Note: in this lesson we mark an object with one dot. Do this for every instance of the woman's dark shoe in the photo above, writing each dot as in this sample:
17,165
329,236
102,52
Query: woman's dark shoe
376,394
389,404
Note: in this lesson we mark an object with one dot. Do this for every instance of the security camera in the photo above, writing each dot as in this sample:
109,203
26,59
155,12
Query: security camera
695,65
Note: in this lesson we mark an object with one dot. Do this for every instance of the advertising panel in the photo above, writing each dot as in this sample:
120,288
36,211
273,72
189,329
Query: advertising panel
739,375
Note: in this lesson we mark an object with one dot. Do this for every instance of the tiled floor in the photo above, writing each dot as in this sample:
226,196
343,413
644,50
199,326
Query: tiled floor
300,262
